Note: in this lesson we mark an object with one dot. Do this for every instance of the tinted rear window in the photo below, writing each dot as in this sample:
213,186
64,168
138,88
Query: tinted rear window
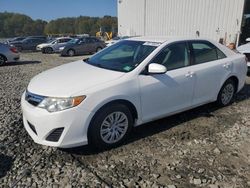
205,52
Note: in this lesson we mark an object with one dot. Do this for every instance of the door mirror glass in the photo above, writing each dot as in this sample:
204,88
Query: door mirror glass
155,68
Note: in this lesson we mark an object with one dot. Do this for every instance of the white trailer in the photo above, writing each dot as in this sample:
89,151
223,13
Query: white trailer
220,20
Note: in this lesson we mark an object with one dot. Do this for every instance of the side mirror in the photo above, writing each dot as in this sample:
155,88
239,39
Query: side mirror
155,68
81,42
248,40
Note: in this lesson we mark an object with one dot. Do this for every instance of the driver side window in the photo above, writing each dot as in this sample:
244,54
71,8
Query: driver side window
173,56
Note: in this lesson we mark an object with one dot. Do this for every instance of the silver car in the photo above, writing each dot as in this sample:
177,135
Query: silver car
53,46
8,53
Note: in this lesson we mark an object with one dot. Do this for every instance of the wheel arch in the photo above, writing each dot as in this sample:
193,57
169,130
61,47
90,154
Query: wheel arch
235,80
231,77
125,102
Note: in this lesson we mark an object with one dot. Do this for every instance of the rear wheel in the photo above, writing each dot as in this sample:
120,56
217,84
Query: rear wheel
110,126
226,93
2,60
71,52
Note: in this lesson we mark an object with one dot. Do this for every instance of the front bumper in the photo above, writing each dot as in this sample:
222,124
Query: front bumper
74,121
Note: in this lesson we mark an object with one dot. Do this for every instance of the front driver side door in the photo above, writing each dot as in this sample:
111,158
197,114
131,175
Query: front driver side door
165,94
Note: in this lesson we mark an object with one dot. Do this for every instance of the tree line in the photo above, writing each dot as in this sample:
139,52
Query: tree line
14,24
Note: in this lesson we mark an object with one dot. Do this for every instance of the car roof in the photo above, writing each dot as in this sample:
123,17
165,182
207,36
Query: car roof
62,38
162,39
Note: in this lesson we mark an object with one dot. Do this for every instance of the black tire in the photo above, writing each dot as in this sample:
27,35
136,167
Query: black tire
2,60
98,49
226,93
96,139
48,50
71,52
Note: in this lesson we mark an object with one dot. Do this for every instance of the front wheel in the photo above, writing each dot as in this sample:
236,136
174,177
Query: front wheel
110,126
48,50
71,52
226,93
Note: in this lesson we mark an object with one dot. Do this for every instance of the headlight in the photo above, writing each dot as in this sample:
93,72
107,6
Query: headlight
59,104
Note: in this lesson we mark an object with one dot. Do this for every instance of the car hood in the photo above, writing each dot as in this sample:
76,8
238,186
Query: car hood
244,48
72,78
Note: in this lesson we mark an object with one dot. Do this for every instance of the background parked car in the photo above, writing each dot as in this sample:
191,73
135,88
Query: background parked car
85,45
245,49
8,53
28,43
15,39
53,46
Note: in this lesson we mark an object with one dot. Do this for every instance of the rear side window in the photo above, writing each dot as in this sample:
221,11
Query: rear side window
205,52
66,40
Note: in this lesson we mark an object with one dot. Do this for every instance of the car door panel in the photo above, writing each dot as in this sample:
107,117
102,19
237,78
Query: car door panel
165,94
210,68
209,77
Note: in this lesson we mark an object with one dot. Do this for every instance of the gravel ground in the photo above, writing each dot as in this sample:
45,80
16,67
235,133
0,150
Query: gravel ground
205,147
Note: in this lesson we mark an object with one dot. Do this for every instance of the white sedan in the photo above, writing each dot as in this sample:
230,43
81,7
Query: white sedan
135,81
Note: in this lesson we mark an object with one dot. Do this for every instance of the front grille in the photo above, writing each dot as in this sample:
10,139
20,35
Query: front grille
33,99
32,127
55,135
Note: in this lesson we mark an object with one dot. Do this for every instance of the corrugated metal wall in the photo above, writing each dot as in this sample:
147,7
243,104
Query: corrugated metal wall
211,18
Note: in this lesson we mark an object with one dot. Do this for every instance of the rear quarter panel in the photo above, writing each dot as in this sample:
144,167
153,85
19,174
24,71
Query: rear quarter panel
239,69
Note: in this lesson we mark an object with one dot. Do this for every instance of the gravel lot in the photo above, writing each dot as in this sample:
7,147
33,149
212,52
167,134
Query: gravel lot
204,147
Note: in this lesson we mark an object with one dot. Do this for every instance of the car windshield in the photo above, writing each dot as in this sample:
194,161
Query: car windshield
123,56
53,41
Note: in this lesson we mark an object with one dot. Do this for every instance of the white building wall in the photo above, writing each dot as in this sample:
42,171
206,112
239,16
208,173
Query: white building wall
211,18
131,20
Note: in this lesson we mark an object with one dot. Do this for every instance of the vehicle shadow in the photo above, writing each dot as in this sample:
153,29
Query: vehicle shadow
164,124
22,63
5,164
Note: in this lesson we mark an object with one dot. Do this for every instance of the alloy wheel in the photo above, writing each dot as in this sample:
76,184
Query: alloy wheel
114,127
227,93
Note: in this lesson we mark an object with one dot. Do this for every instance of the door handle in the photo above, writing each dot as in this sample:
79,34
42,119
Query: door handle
190,74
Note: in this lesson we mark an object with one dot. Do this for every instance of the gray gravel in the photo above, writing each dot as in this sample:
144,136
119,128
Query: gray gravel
204,147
